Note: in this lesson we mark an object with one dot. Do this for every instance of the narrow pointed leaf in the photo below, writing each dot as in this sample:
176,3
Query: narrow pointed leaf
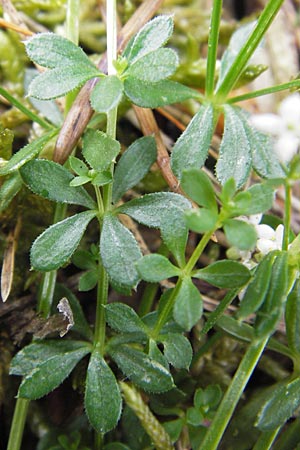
51,372
271,310
154,95
281,405
144,371
107,94
154,268
124,319
103,401
240,234
235,151
133,165
99,150
26,153
151,37
61,80
154,66
188,306
191,149
119,252
224,274
52,181
51,50
56,245
264,159
177,350
257,288
292,318
199,188
9,189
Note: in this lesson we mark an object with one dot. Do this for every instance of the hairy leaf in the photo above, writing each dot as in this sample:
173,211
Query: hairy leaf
133,165
191,149
156,267
144,371
177,350
124,319
235,151
99,150
103,401
52,181
107,94
240,234
56,245
199,188
27,153
154,66
151,37
119,252
188,305
154,95
224,274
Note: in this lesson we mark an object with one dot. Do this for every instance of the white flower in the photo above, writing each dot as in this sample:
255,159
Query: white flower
268,238
284,127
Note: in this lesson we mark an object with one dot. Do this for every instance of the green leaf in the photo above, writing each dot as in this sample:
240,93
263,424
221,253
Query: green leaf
238,39
154,95
107,94
235,150
50,367
209,398
155,353
133,165
51,50
9,189
177,350
81,325
124,319
155,267
271,310
262,198
31,356
61,80
56,245
99,150
292,318
264,159
240,234
144,371
52,181
103,401
27,153
191,149
151,37
201,220
88,280
119,252
257,289
164,210
224,274
199,188
84,260
101,179
194,416
188,305
281,405
154,66
79,181
78,166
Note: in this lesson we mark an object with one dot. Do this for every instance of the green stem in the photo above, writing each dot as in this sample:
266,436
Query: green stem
147,300
218,312
240,62
166,310
198,251
30,114
102,295
266,440
18,424
213,47
269,90
215,432
204,349
287,215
